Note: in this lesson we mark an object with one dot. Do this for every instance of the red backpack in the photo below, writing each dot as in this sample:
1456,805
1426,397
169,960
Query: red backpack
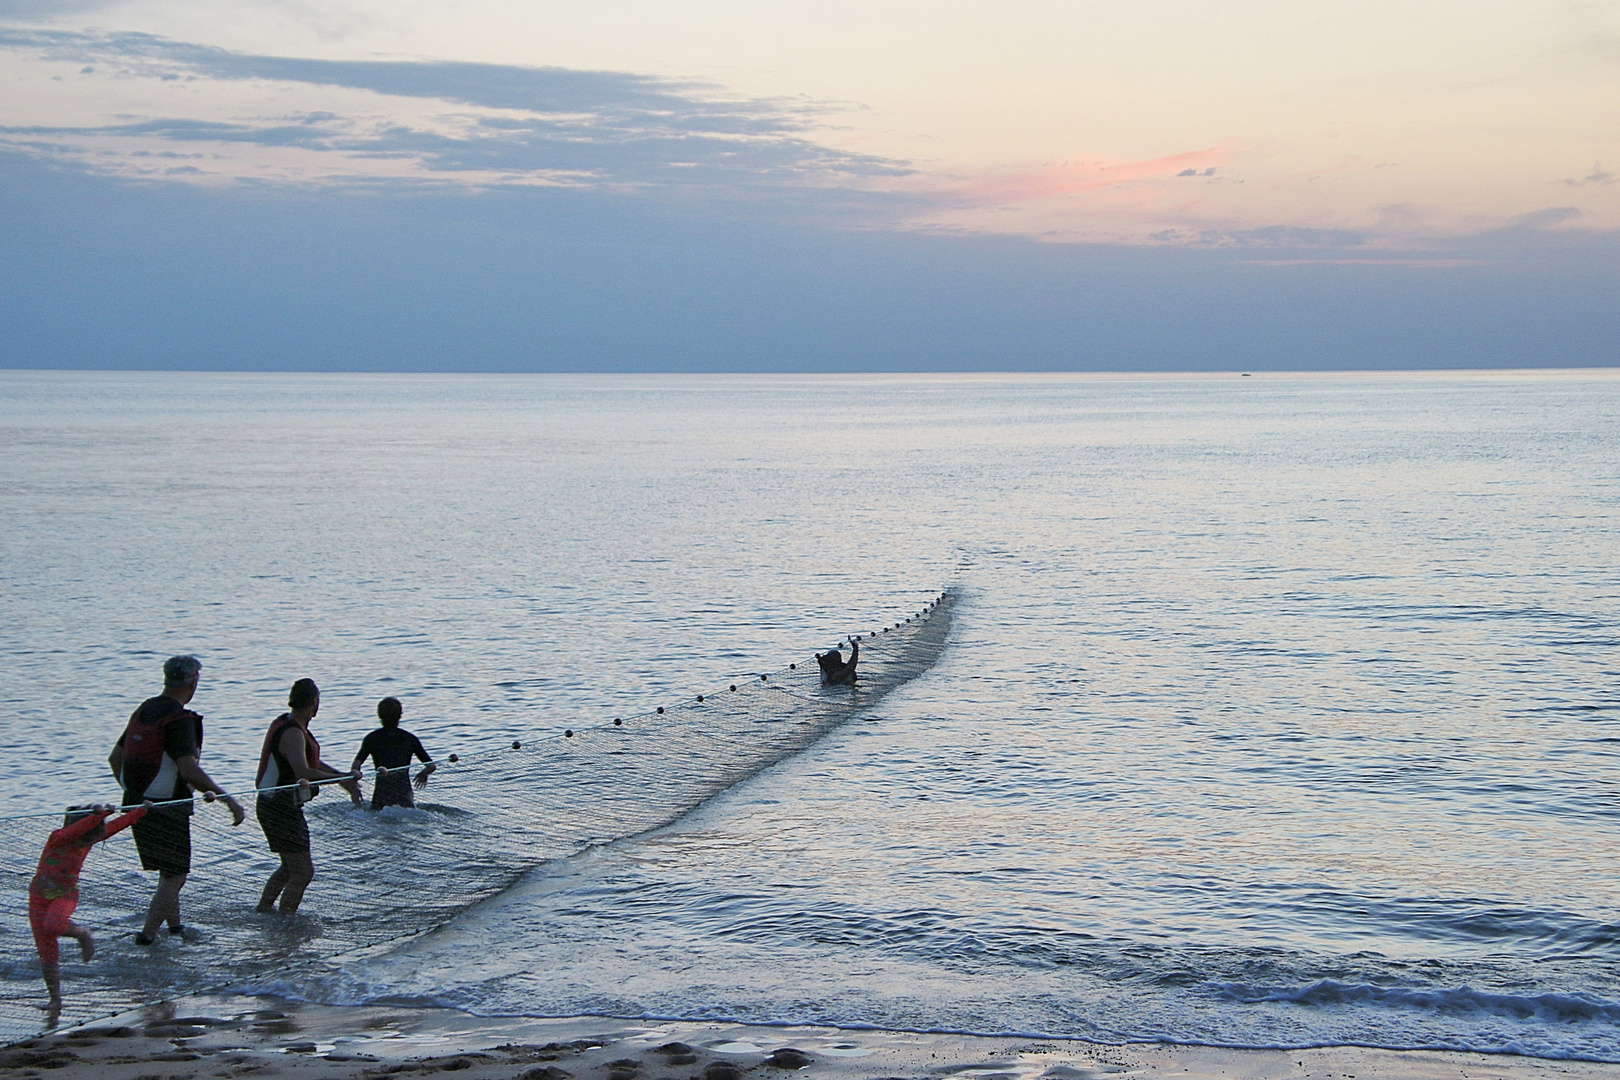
143,738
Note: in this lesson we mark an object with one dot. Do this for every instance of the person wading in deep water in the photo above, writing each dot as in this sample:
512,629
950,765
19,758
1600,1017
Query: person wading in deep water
156,759
54,893
834,670
291,756
391,747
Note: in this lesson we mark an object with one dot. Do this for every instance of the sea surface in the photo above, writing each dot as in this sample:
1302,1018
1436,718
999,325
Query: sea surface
1279,710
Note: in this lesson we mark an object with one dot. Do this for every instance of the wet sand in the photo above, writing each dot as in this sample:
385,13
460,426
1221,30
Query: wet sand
226,1037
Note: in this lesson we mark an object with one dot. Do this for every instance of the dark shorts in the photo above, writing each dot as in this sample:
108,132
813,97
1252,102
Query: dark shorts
163,837
392,790
282,819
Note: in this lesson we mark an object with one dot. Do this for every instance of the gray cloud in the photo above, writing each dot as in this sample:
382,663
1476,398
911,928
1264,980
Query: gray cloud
29,10
1540,219
1295,236
1598,176
646,100
1270,236
598,126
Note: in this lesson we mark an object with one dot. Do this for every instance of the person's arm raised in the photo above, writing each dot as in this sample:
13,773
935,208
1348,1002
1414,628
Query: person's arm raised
86,824
124,821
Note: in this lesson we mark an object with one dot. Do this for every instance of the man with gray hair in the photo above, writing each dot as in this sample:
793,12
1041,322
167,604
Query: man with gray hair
155,759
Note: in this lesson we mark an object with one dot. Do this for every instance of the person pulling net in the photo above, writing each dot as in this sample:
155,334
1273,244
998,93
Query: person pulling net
289,763
496,814
835,670
53,895
157,760
391,749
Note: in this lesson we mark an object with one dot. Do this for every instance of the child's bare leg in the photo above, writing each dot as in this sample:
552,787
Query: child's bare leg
87,944
52,973
273,887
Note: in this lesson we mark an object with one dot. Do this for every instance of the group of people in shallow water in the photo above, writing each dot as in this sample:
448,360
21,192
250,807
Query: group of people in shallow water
156,762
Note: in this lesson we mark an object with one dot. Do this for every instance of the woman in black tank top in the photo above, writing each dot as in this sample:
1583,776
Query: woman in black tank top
288,762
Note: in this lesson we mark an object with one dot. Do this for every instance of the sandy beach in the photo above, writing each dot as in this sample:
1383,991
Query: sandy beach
225,1037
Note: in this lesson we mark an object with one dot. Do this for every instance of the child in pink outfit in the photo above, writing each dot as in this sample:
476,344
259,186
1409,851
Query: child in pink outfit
54,892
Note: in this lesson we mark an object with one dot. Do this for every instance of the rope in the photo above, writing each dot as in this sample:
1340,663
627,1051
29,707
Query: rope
485,820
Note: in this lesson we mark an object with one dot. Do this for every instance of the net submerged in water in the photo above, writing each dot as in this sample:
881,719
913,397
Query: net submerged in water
487,820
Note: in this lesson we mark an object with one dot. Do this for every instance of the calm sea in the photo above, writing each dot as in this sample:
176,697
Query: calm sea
1278,710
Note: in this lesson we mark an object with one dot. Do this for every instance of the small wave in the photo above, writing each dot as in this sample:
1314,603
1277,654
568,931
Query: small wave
1456,1002
1565,1010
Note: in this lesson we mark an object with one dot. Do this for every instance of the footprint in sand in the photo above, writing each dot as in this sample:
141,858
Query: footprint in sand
677,1053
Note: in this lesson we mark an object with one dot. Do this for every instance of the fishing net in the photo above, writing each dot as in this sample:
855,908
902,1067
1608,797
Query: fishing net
483,821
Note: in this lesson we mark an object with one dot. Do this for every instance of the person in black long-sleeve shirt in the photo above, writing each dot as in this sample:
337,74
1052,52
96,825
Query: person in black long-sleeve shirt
391,748
835,671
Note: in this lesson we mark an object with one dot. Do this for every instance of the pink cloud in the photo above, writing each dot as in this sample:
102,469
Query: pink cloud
1077,177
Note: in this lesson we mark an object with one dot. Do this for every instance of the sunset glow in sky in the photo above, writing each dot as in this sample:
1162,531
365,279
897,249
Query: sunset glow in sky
1331,131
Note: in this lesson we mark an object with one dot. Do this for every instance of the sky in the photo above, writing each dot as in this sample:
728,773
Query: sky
847,185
